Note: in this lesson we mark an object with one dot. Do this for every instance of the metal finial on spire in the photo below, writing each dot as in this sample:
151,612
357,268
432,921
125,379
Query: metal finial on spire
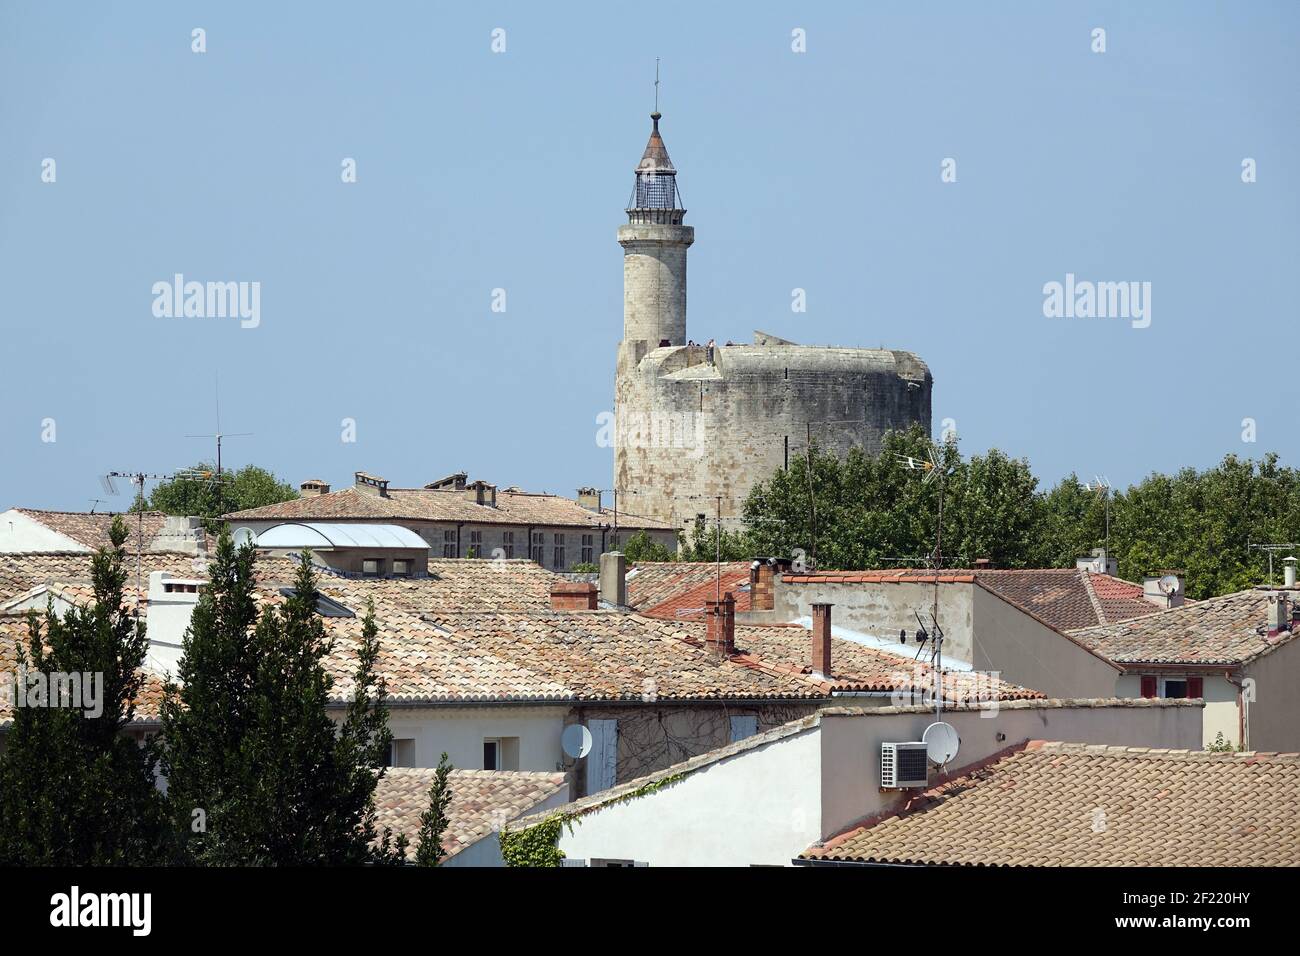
656,115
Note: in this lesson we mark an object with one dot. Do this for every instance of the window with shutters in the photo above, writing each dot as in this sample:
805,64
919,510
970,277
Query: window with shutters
475,545
449,544
587,549
1148,685
508,544
1182,688
558,556
602,759
538,546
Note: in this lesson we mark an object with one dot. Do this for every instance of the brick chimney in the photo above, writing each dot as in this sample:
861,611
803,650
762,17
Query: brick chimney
573,596
312,488
821,639
762,580
720,626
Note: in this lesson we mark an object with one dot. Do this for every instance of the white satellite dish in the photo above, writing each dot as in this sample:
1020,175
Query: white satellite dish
576,741
941,742
243,536
1169,584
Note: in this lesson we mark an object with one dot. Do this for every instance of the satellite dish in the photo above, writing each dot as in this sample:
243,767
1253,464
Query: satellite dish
243,536
941,742
576,741
1169,584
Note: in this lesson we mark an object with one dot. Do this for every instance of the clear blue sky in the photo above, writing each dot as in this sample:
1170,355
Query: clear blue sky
479,170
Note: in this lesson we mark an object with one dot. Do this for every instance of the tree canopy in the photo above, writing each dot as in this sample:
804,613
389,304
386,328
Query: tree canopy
872,512
249,487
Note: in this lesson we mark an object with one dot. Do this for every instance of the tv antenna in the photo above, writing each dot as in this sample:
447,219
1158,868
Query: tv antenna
219,436
1100,486
931,469
1270,549
138,479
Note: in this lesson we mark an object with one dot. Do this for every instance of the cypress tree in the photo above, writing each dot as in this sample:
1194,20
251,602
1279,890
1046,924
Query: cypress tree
433,822
251,740
74,788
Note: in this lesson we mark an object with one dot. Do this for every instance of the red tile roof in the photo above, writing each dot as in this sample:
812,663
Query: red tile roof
482,802
424,504
690,604
1058,804
651,583
1230,629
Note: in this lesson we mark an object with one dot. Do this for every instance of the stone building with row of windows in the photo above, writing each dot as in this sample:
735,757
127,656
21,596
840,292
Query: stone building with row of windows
459,518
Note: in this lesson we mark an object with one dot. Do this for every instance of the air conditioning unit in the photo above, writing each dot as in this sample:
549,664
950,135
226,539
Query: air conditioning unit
904,765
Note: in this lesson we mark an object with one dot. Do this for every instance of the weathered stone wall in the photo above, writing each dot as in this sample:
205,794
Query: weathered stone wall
689,430
652,738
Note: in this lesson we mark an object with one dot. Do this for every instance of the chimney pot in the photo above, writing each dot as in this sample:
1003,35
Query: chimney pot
720,625
821,640
1288,572
573,596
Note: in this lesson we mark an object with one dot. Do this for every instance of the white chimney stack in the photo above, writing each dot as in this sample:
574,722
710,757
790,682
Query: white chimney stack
1288,572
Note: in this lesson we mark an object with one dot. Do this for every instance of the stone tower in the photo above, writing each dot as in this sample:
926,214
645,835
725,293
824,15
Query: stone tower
695,424
654,245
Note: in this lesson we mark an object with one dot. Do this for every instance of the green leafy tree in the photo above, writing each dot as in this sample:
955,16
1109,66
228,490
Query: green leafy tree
434,820
708,543
869,511
75,790
249,487
640,547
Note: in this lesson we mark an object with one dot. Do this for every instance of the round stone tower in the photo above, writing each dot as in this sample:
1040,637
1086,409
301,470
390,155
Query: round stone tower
654,245
696,427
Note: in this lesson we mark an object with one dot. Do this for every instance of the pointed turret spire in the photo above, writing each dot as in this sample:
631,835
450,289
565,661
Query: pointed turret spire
655,197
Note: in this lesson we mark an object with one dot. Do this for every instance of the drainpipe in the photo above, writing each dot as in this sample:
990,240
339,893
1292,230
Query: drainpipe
459,525
1243,705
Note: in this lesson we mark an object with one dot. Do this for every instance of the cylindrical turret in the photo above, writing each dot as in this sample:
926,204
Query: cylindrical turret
654,245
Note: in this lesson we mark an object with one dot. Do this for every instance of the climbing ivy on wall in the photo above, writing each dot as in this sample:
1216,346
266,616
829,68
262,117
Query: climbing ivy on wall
537,845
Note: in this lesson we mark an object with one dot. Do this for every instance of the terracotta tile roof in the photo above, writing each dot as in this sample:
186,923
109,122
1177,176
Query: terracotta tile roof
91,530
904,575
1222,630
20,573
482,801
653,582
1068,598
609,655
483,630
689,604
13,631
423,504
1055,804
